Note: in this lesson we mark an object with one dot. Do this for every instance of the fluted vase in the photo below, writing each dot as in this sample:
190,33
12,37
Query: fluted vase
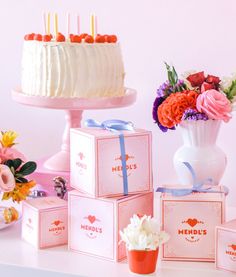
199,149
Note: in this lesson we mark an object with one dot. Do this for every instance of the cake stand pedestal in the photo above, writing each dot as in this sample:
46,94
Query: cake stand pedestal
59,164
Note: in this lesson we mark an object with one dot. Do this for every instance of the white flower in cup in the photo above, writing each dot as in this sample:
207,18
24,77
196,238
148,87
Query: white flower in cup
143,233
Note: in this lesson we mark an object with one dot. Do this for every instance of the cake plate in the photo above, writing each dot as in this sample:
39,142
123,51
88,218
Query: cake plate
59,164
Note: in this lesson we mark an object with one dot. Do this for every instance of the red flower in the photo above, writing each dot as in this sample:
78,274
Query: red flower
206,86
196,79
213,79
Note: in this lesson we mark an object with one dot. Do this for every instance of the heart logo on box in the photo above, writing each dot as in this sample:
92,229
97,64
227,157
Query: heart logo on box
91,218
57,222
81,155
192,222
127,157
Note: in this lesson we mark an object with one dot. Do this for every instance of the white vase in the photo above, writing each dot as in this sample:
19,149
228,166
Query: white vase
200,151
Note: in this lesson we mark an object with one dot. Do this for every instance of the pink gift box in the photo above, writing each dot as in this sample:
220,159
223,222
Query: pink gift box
94,224
44,222
226,246
191,220
96,161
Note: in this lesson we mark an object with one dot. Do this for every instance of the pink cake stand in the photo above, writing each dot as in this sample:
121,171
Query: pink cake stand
59,164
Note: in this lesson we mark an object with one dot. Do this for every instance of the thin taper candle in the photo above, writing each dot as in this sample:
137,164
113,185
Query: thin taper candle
95,25
78,24
55,24
48,24
45,23
68,24
92,25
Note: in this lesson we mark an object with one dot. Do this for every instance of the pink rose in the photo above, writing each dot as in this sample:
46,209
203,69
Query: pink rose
10,154
7,180
214,104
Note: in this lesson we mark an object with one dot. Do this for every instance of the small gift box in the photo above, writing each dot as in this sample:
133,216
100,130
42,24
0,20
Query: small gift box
226,246
94,224
44,222
111,162
190,221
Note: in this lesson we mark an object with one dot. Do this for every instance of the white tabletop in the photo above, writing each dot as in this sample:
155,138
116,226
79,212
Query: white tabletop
29,261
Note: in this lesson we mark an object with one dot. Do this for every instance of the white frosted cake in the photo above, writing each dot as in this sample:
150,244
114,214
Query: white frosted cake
68,69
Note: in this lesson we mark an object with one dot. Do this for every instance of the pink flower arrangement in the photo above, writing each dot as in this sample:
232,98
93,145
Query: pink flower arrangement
209,99
13,169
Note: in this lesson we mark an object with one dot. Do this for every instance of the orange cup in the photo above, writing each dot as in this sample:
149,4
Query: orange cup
142,261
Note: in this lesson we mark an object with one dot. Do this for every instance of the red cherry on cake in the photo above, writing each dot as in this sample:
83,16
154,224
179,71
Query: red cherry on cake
47,38
76,38
100,39
60,37
89,39
113,38
71,36
29,36
38,37
84,35
106,37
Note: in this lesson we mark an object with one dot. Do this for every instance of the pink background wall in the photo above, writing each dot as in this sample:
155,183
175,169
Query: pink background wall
190,34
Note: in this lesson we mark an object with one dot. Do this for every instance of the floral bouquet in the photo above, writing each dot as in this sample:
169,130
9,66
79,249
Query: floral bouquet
14,169
196,97
143,238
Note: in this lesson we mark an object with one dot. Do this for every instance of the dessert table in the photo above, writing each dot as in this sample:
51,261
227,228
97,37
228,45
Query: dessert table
19,257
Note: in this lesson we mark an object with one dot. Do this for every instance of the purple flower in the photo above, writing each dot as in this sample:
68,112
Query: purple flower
158,101
193,114
166,88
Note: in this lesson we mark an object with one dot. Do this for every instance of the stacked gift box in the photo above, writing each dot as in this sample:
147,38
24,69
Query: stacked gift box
111,177
111,172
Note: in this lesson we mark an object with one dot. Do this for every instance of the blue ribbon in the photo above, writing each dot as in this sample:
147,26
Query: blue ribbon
197,186
116,125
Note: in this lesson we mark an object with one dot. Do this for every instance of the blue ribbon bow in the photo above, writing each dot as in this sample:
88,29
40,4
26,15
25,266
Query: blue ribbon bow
197,186
116,125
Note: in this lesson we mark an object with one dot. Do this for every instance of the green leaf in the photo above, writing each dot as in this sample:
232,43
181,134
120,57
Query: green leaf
17,163
172,75
231,91
9,163
21,180
27,168
13,163
12,170
175,75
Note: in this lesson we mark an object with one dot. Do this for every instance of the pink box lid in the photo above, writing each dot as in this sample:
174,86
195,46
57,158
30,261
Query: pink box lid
100,133
204,196
229,225
45,203
108,199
